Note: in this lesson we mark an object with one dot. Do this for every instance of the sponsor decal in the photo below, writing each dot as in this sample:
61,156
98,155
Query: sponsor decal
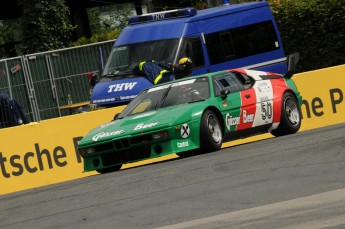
121,87
185,131
144,126
106,134
231,121
182,144
247,118
264,87
263,98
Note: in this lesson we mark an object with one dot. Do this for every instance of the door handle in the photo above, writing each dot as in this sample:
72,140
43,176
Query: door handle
247,96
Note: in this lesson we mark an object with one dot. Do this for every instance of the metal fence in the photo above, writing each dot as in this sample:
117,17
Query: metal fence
44,83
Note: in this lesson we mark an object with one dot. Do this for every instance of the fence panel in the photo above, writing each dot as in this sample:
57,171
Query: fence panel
13,83
44,82
62,74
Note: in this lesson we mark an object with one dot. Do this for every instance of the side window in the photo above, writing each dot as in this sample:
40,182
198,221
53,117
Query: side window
214,48
227,81
254,39
220,47
192,47
228,49
241,42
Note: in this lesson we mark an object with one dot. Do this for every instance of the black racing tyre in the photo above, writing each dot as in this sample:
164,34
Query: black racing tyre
109,169
290,120
211,135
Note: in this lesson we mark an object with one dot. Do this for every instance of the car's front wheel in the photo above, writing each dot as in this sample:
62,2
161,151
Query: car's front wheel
109,169
290,120
211,135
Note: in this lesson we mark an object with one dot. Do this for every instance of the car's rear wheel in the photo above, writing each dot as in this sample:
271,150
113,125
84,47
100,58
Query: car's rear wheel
290,120
109,169
211,135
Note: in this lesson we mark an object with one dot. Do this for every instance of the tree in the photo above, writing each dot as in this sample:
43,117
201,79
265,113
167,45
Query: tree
313,28
106,22
45,25
161,5
9,37
105,19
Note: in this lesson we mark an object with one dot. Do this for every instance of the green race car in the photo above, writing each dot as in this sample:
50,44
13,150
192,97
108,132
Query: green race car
195,114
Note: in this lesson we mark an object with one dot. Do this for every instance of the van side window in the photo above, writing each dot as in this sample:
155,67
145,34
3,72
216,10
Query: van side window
241,42
193,49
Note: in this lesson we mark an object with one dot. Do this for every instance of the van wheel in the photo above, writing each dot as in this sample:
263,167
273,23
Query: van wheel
211,135
290,120
109,169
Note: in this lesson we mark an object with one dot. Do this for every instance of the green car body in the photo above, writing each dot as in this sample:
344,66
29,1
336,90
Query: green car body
217,107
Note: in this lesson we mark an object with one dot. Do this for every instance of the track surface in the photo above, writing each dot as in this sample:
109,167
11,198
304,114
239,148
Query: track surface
295,181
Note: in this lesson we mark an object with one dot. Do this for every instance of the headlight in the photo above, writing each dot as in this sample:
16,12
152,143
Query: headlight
159,135
85,151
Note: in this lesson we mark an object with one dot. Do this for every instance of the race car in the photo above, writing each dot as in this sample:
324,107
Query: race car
195,114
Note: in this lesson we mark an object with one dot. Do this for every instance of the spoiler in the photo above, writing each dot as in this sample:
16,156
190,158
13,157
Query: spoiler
292,61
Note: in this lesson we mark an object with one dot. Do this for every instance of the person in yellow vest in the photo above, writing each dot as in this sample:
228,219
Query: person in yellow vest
161,72
183,68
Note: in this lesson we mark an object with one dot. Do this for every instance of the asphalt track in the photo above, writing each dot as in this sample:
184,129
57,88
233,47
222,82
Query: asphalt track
294,181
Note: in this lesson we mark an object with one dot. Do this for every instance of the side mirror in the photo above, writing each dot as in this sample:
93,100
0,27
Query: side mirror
225,93
292,61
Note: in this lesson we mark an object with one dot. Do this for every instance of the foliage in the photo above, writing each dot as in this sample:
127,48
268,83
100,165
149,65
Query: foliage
169,5
314,28
111,35
45,25
106,27
104,19
10,36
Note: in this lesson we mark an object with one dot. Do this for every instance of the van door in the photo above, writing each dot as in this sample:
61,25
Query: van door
192,47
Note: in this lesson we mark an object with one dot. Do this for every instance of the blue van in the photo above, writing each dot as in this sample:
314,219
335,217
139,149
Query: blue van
230,36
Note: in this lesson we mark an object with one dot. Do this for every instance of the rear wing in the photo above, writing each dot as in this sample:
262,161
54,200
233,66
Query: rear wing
292,61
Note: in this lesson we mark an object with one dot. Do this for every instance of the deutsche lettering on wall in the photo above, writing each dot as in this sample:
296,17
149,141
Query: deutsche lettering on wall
316,106
37,160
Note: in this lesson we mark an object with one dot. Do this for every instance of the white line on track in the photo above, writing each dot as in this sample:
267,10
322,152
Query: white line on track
291,209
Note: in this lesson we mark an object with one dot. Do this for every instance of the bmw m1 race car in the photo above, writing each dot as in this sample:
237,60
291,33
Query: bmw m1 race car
194,114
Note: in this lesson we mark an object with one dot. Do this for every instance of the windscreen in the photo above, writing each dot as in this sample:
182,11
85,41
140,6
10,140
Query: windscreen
187,91
125,58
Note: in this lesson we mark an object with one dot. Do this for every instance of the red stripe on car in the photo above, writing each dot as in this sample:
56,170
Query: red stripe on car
248,109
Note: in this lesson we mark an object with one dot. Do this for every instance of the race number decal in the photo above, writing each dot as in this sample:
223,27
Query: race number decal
266,110
185,131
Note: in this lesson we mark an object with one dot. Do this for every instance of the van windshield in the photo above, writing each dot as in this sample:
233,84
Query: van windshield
123,59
